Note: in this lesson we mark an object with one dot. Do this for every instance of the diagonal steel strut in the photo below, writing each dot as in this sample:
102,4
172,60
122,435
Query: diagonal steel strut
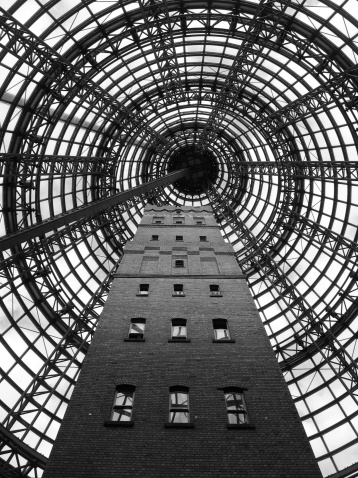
87,210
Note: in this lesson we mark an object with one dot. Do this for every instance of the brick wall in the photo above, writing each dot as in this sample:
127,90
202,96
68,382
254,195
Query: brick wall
274,446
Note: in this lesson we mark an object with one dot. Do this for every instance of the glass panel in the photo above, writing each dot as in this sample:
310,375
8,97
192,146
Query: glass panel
222,334
237,418
121,414
236,408
124,398
137,329
179,331
179,417
179,400
123,403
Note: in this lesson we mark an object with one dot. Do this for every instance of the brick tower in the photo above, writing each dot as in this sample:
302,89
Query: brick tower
180,379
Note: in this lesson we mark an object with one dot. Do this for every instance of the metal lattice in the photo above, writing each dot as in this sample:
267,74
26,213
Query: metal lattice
259,100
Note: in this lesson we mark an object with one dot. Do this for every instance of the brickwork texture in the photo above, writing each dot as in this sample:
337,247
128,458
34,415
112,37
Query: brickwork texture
274,445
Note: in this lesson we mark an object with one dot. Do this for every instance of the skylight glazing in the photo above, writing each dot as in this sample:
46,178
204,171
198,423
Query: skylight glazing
125,87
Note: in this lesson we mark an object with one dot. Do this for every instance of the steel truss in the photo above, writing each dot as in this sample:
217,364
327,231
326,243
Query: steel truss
313,327
122,126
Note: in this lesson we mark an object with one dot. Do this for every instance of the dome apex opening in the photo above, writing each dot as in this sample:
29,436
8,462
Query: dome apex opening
203,168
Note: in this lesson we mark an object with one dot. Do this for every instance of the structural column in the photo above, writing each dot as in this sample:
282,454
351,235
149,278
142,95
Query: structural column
181,379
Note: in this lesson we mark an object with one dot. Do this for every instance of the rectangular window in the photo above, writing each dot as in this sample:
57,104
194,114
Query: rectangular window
143,289
155,237
236,407
158,220
215,291
178,220
179,263
221,330
179,405
179,238
199,220
123,404
178,290
136,329
202,238
179,330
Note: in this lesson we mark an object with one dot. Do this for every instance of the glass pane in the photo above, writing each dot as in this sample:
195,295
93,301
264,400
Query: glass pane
122,414
124,398
234,401
179,400
222,334
179,417
137,328
179,331
237,418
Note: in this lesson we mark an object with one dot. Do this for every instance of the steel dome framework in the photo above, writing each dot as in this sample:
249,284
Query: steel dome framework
100,97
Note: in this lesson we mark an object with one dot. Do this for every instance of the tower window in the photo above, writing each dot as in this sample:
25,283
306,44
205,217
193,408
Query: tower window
179,330
178,290
158,219
179,405
179,263
215,290
155,237
202,238
143,289
136,329
221,330
236,407
123,403
178,220
179,238
199,220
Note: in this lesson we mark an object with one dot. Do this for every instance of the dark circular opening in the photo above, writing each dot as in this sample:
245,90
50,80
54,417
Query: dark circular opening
203,167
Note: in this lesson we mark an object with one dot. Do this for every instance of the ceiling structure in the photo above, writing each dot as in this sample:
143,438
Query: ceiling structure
259,100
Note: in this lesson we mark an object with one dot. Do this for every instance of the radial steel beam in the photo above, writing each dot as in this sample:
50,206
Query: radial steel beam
52,165
300,169
83,212
264,21
155,15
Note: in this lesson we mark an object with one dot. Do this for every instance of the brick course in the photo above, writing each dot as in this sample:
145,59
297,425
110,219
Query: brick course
276,447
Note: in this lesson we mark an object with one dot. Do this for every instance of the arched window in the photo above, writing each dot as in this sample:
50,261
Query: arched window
179,405
123,403
179,330
236,406
136,328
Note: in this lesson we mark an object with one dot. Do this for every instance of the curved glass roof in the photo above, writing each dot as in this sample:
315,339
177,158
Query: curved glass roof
97,97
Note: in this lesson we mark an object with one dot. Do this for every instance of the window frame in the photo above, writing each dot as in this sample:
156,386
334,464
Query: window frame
176,264
142,292
128,391
247,423
178,219
203,239
216,326
215,293
155,237
179,238
179,322
179,389
139,336
178,290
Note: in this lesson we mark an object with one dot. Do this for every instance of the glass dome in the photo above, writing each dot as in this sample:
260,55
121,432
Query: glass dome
259,100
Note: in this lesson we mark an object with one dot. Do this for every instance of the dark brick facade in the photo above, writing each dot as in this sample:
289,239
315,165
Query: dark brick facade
274,445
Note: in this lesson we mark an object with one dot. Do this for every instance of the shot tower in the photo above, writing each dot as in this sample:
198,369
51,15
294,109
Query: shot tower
180,379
